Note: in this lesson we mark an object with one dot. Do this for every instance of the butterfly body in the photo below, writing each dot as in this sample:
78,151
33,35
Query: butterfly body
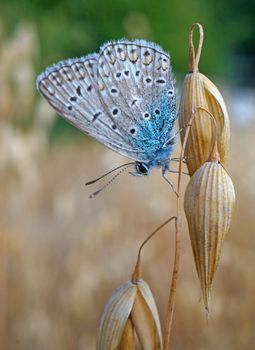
124,97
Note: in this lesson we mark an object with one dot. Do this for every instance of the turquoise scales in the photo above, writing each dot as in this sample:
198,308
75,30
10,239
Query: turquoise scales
123,96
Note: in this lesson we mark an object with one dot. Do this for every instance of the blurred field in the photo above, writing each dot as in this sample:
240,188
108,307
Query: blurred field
62,254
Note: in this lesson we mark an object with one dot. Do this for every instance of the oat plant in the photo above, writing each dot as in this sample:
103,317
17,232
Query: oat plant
131,312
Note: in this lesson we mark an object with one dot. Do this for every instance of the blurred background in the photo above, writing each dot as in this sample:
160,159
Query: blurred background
61,253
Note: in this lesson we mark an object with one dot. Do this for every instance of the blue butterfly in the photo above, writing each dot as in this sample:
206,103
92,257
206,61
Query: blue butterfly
123,96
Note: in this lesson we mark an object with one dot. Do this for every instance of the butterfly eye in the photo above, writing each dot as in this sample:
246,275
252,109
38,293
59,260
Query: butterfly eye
142,168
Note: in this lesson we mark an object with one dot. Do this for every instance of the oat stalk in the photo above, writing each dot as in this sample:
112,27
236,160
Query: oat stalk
193,67
178,227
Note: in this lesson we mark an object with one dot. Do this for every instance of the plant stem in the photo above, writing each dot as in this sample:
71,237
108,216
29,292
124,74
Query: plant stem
137,271
178,227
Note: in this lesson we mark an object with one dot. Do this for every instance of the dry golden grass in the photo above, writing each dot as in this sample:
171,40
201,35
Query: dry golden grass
62,254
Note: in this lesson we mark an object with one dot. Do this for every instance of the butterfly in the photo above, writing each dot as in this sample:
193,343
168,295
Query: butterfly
123,96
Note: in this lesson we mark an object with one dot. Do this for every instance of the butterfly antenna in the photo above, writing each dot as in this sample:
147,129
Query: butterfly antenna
112,179
109,172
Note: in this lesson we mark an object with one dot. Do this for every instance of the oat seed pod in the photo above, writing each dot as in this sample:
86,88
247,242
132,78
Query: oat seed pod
130,310
199,91
208,204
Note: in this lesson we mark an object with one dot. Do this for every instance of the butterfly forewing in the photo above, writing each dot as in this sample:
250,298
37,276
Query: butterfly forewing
71,88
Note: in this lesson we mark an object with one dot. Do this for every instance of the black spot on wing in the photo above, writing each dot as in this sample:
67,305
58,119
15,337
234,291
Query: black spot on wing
114,91
115,111
78,90
95,116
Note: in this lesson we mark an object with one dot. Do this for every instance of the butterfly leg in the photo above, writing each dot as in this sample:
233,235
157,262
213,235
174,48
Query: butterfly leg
177,172
164,168
170,183
184,161
178,159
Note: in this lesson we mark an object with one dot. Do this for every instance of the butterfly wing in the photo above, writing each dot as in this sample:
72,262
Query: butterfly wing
71,88
139,93
123,97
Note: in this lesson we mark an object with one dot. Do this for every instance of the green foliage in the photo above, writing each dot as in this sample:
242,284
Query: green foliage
74,28
77,27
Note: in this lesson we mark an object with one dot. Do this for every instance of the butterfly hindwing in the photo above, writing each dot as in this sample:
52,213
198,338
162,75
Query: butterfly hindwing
140,91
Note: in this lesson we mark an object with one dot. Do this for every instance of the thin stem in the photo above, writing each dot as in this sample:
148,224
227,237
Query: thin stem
137,272
176,266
